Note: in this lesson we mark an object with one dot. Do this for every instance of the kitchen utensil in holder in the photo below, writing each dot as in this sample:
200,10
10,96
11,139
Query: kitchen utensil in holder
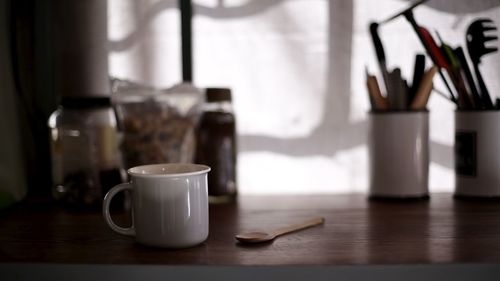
399,154
477,156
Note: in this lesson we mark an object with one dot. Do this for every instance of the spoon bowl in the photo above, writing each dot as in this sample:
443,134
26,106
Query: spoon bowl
254,237
261,236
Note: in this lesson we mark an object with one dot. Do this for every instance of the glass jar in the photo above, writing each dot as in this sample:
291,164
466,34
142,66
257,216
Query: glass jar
84,149
216,144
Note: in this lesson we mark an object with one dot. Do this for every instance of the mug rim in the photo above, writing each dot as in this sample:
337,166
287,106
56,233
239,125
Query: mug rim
199,169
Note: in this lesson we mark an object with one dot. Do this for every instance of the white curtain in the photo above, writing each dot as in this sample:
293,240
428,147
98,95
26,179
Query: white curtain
296,69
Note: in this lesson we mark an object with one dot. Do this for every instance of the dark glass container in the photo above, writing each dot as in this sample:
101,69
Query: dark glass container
217,145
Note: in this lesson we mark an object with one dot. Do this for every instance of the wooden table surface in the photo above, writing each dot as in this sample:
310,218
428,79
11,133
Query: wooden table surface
356,232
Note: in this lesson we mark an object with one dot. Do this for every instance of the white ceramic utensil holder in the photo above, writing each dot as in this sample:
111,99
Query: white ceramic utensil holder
477,153
399,154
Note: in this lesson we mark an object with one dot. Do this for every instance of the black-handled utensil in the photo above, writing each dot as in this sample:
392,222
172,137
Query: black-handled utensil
418,73
377,43
476,45
379,50
409,9
464,66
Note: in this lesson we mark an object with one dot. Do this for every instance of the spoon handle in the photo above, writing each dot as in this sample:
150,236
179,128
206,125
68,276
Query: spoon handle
298,226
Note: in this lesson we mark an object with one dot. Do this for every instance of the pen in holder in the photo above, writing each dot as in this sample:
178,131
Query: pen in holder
399,154
477,155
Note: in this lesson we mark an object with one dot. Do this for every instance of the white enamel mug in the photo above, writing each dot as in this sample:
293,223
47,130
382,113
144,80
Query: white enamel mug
399,154
169,205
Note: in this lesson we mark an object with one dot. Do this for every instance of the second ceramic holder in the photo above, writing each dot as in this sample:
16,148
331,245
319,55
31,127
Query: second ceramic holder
477,154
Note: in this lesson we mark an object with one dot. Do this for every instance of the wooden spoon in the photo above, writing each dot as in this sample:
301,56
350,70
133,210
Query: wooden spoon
257,237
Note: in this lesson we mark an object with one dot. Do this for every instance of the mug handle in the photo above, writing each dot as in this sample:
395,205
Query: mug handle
130,231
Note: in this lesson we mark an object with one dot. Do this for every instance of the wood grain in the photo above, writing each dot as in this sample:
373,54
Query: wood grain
356,231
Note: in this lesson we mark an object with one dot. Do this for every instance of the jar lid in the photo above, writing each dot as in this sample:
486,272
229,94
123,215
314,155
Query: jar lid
85,102
218,94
